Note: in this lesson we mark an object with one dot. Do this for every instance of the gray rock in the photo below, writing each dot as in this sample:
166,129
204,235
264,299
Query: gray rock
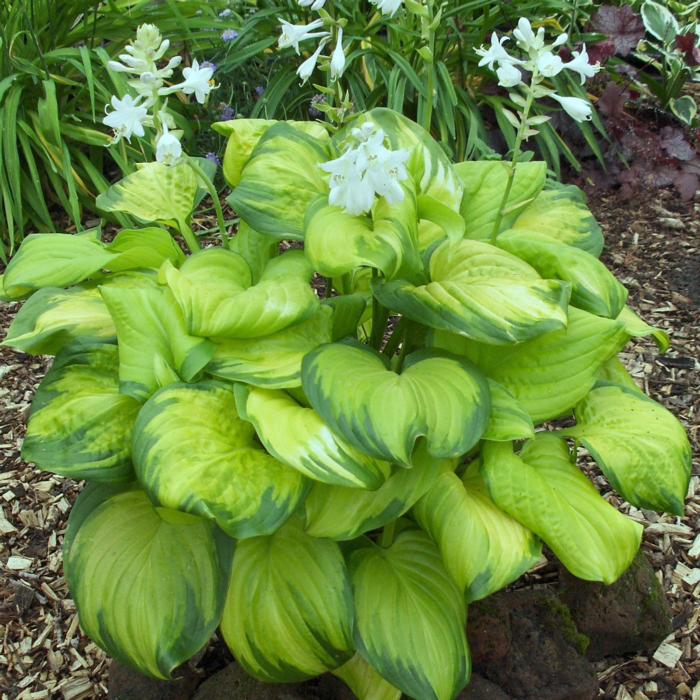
481,689
630,616
526,643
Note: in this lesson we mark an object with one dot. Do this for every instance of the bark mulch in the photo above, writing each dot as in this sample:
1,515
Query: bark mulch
652,245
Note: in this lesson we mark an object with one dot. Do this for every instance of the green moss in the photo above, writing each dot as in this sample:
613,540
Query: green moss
566,625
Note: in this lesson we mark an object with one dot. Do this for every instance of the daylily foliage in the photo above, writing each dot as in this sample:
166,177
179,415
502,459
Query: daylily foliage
380,453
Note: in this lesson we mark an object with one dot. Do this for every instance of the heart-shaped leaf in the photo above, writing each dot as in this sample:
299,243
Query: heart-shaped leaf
80,425
297,436
289,610
482,547
482,292
213,289
544,491
383,413
149,583
509,420
192,452
410,617
640,446
548,375
343,513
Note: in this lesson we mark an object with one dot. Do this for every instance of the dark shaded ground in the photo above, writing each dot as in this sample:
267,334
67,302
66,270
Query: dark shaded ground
652,245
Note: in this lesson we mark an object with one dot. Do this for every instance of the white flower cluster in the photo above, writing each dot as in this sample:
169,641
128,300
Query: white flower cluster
131,113
366,170
293,34
541,62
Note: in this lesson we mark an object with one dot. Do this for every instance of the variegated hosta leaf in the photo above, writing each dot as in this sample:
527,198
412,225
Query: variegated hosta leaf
80,425
383,413
298,437
244,134
544,491
154,192
509,420
641,447
550,374
62,259
213,289
149,583
410,617
614,372
348,311
289,609
636,327
155,348
482,547
272,361
485,183
279,180
593,287
53,317
255,248
342,513
561,212
192,452
430,169
365,682
336,242
482,292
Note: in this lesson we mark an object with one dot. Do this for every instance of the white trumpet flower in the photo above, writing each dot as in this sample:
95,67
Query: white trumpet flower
495,53
575,107
127,117
387,7
306,69
168,147
313,4
338,57
292,34
197,81
508,75
581,65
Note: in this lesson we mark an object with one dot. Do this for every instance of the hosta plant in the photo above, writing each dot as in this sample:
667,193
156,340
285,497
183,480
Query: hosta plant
329,452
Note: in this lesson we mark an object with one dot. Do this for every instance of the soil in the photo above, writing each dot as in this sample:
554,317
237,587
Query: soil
652,245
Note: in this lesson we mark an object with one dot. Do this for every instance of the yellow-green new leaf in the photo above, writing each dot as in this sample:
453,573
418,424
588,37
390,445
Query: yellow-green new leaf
149,583
482,547
485,185
641,447
343,513
80,425
561,212
192,452
279,180
297,436
144,248
289,609
548,375
544,491
383,413
410,617
509,420
272,361
365,682
593,287
481,292
215,292
155,348
154,192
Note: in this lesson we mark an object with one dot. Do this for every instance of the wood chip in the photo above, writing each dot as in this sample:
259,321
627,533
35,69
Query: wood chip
16,563
668,655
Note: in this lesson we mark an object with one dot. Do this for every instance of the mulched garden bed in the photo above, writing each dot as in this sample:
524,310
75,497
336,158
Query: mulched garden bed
653,245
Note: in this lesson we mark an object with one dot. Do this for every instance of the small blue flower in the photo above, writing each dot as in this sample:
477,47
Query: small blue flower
259,91
208,64
213,158
229,35
227,113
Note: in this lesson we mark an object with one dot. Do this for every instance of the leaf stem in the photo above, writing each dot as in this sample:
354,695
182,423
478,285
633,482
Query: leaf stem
213,193
388,533
188,235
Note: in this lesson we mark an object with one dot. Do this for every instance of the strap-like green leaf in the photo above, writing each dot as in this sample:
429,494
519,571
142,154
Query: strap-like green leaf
297,436
343,513
149,583
593,287
80,425
482,547
383,413
192,452
485,183
641,447
279,180
482,292
410,617
562,214
550,374
289,610
544,491
213,289
155,348
154,192
272,361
